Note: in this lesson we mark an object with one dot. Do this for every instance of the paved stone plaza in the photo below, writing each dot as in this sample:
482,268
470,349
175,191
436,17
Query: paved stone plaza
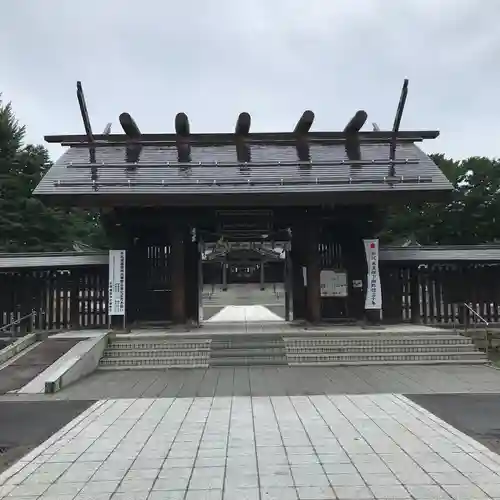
283,380
262,433
317,447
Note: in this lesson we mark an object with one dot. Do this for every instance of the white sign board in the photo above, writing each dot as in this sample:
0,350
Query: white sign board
373,289
116,289
333,283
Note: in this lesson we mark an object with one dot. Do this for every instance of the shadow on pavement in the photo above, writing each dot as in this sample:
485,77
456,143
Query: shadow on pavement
25,425
477,415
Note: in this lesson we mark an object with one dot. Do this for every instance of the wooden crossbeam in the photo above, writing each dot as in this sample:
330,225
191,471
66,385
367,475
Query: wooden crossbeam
220,139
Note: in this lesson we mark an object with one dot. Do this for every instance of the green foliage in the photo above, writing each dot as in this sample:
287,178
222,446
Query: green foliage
26,224
469,216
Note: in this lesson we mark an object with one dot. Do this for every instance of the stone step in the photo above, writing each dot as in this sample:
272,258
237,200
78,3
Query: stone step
155,343
256,352
250,344
155,353
399,358
154,362
416,348
376,341
395,362
250,361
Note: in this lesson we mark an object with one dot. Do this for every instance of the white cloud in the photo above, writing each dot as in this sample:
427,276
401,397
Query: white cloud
274,59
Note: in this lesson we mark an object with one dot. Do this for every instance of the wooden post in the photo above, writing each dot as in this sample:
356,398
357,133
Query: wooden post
414,296
355,261
191,262
26,303
313,264
297,278
262,276
74,298
287,280
224,274
178,293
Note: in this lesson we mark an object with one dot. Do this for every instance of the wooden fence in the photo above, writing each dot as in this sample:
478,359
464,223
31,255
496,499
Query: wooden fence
76,297
436,294
60,298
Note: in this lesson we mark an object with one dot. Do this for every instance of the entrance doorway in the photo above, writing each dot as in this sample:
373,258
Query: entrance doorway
244,281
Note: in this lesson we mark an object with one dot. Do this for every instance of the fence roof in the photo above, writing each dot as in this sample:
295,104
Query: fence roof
477,253
52,259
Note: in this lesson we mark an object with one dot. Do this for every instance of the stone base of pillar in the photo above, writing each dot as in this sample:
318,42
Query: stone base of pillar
117,323
373,316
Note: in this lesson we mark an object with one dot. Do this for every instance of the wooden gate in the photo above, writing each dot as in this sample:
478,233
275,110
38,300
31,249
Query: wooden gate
148,286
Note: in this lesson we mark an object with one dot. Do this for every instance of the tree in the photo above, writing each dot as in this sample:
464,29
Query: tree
26,224
469,216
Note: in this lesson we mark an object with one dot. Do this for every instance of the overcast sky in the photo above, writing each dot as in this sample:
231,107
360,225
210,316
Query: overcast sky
272,58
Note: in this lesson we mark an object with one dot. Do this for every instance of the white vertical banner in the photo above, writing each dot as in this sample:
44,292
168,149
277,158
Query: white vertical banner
373,288
116,291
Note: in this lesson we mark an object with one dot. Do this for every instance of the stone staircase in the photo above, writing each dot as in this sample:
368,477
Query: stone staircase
383,349
247,350
143,352
240,349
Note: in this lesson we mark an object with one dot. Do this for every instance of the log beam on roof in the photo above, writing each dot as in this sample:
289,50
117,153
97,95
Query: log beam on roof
241,131
86,121
133,133
182,139
352,136
301,132
395,127
305,123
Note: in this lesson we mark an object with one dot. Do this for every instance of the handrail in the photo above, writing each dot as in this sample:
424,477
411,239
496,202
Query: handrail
473,311
17,321
486,323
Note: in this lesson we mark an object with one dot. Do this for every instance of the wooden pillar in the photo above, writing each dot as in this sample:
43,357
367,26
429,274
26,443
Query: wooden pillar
192,279
26,302
297,275
74,298
313,265
178,294
355,261
288,285
262,276
224,274
414,296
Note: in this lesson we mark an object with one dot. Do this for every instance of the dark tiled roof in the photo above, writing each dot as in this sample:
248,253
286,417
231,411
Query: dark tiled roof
65,179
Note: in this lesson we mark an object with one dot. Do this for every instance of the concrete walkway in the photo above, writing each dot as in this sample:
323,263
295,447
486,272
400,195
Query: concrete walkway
301,448
279,381
246,314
